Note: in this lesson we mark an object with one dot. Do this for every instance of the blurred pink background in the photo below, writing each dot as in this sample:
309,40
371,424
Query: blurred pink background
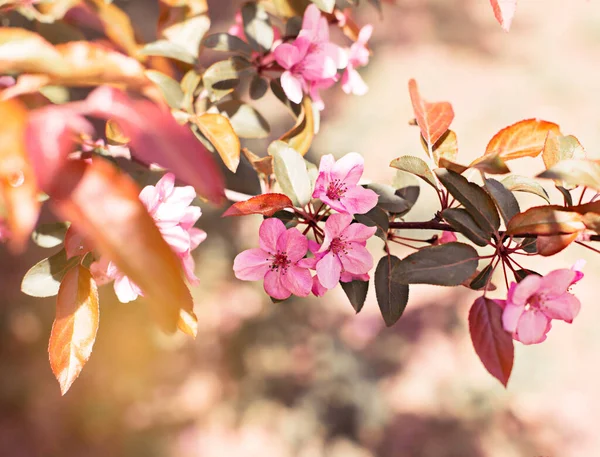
308,378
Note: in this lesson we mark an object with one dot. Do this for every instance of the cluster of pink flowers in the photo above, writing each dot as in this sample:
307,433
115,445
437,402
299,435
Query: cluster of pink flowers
281,258
171,209
532,304
311,62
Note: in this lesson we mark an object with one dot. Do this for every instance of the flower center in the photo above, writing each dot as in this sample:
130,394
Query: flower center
338,245
535,302
280,260
336,190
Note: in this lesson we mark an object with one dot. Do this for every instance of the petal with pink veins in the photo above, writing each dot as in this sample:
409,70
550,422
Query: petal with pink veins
334,226
356,259
565,307
294,244
252,264
358,232
510,317
297,280
329,269
268,234
274,286
557,282
532,327
358,200
520,294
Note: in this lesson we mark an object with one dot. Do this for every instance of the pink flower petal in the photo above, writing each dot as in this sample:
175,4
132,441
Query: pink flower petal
335,225
352,83
189,268
126,290
268,234
511,316
292,86
274,286
358,232
190,217
565,307
252,264
329,269
287,55
357,259
532,326
197,236
177,238
317,288
520,293
314,25
293,243
165,186
297,280
557,282
349,168
365,34
358,200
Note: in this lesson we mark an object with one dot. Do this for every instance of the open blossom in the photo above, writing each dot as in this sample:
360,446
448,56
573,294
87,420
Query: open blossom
536,300
337,185
279,261
311,61
170,208
358,56
317,288
343,252
445,237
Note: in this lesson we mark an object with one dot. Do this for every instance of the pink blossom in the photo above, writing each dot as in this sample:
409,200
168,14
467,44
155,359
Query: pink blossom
536,300
311,61
345,255
337,185
278,260
170,208
447,237
317,288
358,56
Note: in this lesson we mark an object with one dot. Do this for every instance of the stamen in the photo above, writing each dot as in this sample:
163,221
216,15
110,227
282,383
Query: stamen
336,190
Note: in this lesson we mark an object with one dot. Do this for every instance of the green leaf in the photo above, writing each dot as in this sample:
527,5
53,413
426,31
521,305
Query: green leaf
189,83
227,43
291,173
258,87
475,200
50,235
375,218
517,183
356,291
482,278
223,77
392,296
165,48
188,33
389,200
257,27
417,167
325,5
245,120
170,88
505,201
43,279
449,264
461,220
575,173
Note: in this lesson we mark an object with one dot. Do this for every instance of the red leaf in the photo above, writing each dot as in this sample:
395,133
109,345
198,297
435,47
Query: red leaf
74,329
547,220
18,189
157,138
522,139
492,343
266,204
504,10
433,119
104,206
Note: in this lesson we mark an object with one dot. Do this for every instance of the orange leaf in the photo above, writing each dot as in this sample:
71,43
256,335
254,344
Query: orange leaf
74,329
546,220
559,147
104,206
220,133
300,137
446,147
550,245
504,11
18,188
434,119
522,139
266,204
117,25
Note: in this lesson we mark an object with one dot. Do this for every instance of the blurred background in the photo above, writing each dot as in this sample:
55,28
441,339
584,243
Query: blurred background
308,378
